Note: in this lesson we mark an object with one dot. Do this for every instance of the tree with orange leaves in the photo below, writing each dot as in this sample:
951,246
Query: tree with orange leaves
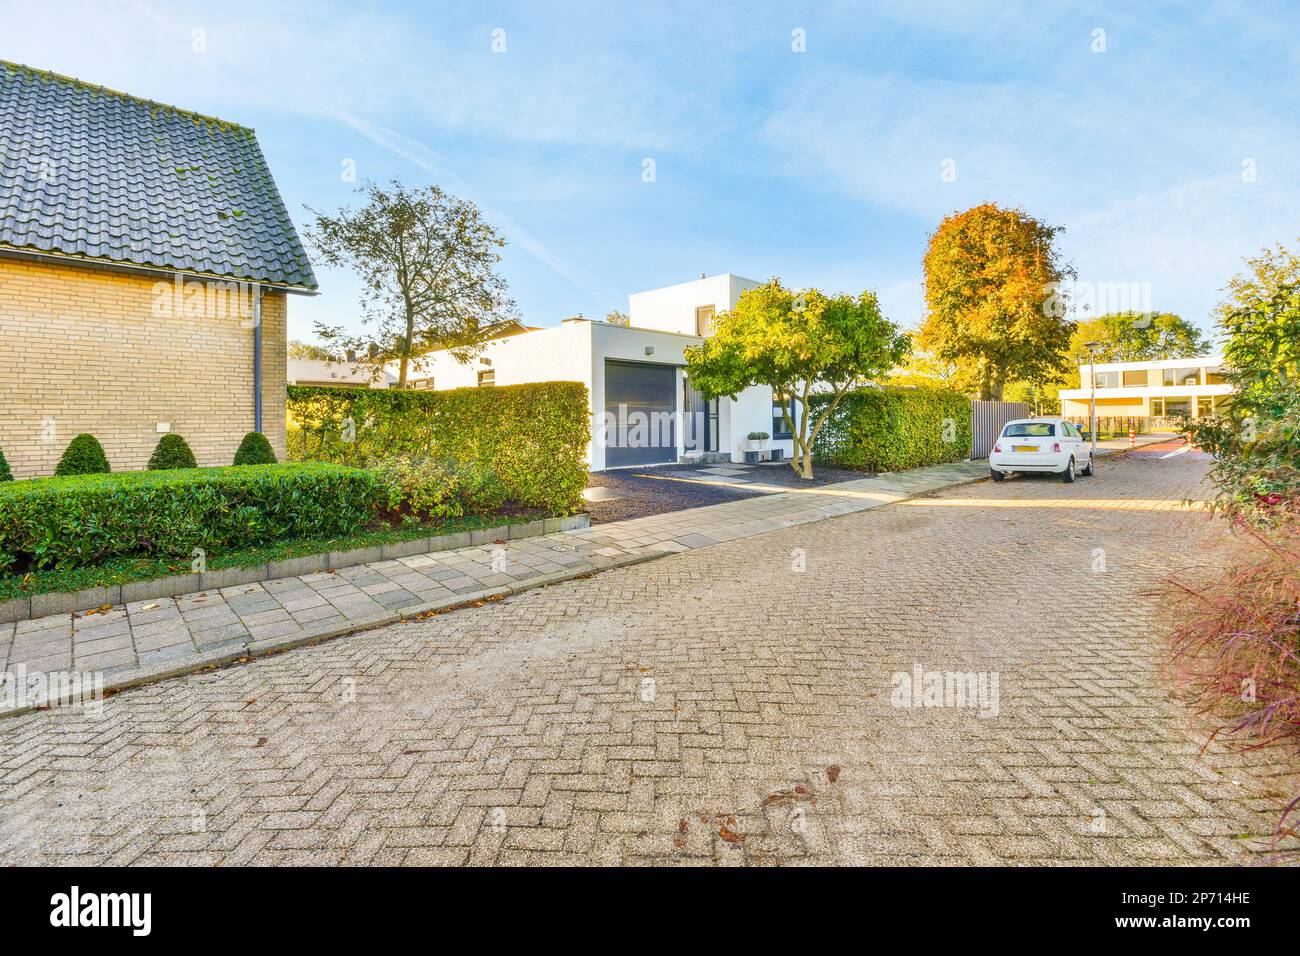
993,295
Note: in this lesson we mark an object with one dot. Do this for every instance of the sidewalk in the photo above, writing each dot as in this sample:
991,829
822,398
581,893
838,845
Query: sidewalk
165,637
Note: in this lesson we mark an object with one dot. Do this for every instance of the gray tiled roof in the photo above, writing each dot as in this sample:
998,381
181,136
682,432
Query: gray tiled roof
92,173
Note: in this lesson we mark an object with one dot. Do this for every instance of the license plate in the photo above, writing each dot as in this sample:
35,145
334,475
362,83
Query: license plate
1024,448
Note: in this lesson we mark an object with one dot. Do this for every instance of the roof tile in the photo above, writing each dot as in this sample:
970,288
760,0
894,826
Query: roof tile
86,171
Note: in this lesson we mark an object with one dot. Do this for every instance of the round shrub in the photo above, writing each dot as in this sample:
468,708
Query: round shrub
172,451
255,450
83,456
5,473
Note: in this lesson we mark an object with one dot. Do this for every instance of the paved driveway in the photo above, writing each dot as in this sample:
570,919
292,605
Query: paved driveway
741,703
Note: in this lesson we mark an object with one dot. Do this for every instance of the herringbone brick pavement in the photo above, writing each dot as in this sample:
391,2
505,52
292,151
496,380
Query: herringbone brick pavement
728,705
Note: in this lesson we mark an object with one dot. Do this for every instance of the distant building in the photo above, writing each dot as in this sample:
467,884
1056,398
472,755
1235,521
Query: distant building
644,410
321,372
1165,391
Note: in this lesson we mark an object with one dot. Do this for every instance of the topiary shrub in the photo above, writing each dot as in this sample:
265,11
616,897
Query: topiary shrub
255,450
172,451
5,473
83,456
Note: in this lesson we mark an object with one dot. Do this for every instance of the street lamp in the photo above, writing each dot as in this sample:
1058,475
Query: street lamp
1092,401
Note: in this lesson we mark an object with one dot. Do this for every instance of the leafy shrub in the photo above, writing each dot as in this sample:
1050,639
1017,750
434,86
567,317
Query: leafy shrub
758,436
83,456
1256,449
84,520
521,443
5,473
255,450
172,451
889,429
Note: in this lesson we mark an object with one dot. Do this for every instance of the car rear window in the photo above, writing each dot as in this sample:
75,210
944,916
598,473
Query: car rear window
1030,430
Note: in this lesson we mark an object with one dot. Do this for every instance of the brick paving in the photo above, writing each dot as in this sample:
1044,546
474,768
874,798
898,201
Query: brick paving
730,704
132,642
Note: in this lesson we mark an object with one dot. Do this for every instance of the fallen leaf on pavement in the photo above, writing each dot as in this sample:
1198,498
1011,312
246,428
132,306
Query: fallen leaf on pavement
832,774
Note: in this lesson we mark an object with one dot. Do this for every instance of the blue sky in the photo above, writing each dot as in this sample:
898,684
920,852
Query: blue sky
1167,157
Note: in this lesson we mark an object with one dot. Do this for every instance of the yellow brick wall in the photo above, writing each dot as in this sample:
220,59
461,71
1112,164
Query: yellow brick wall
88,350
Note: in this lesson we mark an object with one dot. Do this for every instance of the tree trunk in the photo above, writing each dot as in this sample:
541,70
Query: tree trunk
401,374
807,465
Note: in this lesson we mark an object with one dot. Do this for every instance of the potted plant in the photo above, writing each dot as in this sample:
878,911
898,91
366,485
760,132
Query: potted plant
757,441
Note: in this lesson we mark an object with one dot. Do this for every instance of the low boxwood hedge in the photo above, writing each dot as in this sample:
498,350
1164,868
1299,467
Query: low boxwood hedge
890,429
84,520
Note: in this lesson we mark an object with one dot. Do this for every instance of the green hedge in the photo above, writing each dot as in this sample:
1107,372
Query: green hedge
531,439
83,520
889,429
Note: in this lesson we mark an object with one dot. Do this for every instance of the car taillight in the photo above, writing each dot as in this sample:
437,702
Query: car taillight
1056,446
997,447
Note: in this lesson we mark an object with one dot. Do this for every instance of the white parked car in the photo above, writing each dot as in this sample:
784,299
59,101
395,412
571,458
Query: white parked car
1041,444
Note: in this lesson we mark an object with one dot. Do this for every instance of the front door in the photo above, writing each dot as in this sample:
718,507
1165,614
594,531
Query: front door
700,430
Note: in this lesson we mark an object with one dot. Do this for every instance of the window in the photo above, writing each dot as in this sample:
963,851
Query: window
487,376
704,321
1135,378
1215,376
1029,430
779,427
1107,379
1182,377
1158,407
1204,406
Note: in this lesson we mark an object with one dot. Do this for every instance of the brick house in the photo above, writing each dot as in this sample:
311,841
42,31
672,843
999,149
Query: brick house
146,258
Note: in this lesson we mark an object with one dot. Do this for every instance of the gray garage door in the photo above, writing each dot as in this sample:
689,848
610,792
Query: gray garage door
639,405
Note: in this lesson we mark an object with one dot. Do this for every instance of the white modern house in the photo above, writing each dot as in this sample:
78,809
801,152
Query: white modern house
321,372
1165,391
643,409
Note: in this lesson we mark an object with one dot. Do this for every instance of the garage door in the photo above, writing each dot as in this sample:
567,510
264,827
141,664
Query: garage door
639,403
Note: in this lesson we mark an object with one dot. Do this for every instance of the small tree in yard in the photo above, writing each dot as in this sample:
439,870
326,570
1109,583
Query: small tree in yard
797,343
426,260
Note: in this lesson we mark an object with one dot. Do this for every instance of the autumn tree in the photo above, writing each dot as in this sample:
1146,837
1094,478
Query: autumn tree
427,264
797,343
992,292
922,368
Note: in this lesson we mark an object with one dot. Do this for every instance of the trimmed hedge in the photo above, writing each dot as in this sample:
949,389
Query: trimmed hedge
255,449
890,429
83,456
172,451
84,520
528,441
